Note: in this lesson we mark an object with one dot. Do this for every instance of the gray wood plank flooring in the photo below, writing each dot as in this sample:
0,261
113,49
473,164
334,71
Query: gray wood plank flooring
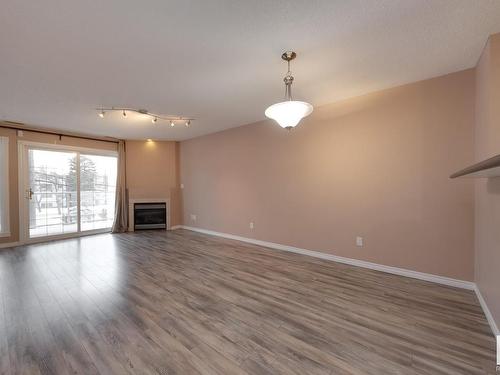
186,303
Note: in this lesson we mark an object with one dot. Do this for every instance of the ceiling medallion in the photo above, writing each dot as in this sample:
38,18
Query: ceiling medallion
172,120
289,112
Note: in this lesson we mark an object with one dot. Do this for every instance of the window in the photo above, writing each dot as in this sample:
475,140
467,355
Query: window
4,186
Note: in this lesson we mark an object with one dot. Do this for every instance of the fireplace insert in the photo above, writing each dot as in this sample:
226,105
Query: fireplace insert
150,216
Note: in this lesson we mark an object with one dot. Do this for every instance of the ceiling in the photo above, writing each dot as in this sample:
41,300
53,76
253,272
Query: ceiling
219,61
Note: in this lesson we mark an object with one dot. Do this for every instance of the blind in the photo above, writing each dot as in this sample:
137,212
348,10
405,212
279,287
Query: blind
4,186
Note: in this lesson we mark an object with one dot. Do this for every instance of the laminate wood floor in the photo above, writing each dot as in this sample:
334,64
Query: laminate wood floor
185,303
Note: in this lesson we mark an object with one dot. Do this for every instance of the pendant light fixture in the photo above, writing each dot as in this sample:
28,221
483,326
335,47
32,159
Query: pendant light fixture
289,113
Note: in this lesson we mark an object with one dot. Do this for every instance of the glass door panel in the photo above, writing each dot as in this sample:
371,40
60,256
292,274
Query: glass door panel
97,191
52,194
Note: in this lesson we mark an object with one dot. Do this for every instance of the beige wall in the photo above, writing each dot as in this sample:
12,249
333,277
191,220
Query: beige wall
13,195
487,144
153,172
13,170
375,166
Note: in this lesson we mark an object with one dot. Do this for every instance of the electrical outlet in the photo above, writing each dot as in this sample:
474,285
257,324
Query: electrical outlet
359,241
193,217
251,225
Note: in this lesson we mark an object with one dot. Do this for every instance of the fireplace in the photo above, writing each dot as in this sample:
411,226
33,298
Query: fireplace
150,215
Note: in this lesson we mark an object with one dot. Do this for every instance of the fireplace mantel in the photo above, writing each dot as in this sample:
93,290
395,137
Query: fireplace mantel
133,201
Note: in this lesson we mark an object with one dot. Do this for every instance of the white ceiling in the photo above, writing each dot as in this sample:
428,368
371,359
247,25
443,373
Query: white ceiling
219,61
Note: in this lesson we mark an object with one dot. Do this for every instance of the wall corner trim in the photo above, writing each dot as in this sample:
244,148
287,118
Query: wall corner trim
354,262
491,322
487,312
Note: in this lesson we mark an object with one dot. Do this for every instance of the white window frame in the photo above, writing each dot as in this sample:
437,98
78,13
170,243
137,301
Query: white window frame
23,172
4,159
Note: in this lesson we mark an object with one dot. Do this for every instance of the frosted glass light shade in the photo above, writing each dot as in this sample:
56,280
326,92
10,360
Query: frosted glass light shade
288,114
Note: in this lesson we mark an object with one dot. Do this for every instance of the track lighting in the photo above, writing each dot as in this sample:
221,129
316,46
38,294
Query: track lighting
144,112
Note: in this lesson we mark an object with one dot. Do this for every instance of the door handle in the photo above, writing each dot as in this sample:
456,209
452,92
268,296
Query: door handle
30,194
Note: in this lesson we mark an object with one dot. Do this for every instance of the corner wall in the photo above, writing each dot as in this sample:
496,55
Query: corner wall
487,191
152,172
376,166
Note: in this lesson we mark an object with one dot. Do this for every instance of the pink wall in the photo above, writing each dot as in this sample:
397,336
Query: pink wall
487,144
375,166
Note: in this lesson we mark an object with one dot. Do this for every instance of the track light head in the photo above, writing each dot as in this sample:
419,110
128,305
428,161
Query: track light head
154,120
188,122
124,114
101,114
172,124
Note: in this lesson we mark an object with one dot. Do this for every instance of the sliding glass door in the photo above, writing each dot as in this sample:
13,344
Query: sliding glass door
66,190
52,194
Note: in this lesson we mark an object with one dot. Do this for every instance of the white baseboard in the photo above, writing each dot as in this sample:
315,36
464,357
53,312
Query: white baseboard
176,227
491,321
487,312
498,353
354,262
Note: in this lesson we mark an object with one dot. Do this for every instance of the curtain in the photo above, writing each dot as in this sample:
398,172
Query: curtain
4,185
120,224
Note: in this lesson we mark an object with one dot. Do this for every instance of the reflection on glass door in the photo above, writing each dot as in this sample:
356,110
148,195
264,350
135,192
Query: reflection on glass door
52,193
97,191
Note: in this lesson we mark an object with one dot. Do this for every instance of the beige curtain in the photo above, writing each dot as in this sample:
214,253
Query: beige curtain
120,224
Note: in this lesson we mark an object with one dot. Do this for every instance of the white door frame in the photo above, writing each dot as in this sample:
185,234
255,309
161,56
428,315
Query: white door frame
22,147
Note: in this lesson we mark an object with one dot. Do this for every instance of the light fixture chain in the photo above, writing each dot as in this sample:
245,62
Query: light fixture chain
288,83
288,89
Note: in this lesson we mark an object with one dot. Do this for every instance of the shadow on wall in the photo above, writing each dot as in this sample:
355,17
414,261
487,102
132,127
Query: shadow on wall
493,185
